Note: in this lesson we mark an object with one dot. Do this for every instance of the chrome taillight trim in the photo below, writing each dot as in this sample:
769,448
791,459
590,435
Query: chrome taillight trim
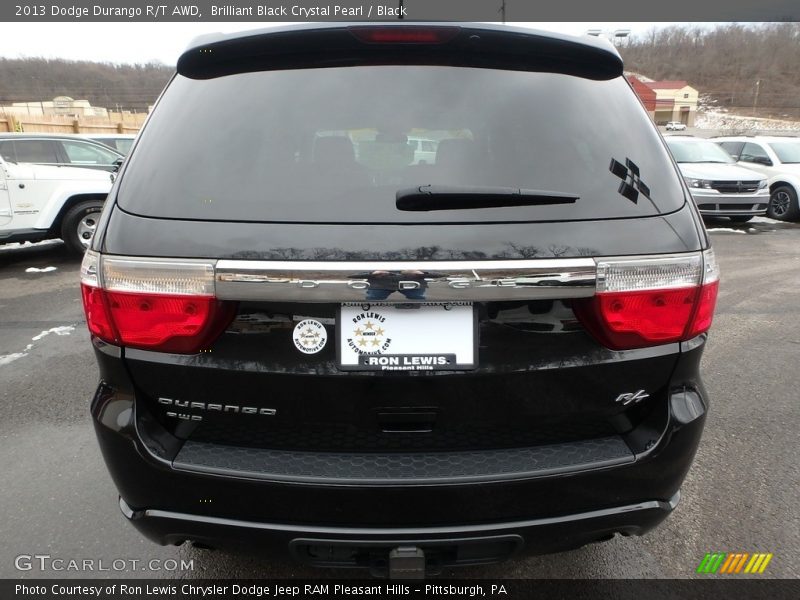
148,275
649,272
90,269
164,276
710,267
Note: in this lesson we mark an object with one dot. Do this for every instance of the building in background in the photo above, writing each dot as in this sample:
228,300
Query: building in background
667,100
61,105
646,95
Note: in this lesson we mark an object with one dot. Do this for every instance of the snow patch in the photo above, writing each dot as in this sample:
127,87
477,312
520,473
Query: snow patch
9,358
766,220
18,245
725,229
720,119
38,270
63,330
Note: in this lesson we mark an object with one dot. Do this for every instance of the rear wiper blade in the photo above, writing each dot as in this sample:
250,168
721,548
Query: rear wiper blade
451,197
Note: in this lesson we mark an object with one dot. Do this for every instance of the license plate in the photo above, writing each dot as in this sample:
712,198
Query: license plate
407,337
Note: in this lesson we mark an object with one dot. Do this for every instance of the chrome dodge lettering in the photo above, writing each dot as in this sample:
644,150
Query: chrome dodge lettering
459,284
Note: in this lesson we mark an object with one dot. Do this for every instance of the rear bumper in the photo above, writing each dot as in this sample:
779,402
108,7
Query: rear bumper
400,469
451,545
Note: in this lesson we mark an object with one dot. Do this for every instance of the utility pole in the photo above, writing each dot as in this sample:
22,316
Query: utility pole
755,99
503,11
400,16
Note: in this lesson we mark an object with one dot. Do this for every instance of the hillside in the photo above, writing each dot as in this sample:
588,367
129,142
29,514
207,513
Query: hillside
130,87
725,63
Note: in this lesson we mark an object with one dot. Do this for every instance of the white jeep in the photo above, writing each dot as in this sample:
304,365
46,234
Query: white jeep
39,202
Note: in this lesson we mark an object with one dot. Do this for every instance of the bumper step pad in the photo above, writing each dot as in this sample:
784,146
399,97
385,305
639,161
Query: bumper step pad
402,468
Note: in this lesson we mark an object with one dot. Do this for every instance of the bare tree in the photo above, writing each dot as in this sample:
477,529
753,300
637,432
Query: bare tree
725,62
132,87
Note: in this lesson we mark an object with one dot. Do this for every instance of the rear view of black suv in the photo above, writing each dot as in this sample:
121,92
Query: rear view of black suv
314,344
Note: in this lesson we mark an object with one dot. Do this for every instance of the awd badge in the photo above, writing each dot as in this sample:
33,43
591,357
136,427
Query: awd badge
309,336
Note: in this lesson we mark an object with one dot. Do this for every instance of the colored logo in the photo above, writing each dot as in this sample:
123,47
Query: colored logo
730,563
369,333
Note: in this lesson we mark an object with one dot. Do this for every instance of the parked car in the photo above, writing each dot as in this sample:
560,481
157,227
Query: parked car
119,142
58,151
719,186
778,158
424,150
675,126
39,202
330,360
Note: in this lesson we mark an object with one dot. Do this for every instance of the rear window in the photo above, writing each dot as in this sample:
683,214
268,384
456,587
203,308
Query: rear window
335,145
698,152
35,151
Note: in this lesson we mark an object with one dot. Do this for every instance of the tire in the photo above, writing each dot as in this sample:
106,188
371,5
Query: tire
783,204
79,224
741,218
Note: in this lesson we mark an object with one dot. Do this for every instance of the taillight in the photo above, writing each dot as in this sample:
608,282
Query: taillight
399,34
648,301
162,305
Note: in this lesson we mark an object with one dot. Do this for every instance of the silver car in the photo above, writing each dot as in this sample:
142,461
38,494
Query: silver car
719,186
778,159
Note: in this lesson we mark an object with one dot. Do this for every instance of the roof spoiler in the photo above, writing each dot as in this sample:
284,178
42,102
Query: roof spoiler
459,45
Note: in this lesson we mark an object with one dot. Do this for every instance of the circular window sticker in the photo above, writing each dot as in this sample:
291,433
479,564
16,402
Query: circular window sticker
309,336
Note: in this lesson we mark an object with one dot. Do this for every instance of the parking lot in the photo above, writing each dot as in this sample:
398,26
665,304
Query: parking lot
740,496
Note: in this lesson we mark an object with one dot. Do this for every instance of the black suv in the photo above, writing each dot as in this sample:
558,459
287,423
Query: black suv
312,343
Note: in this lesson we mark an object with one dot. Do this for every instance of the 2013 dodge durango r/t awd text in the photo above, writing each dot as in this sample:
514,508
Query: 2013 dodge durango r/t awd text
312,343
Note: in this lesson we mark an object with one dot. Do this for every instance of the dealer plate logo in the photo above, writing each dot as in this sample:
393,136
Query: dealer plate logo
310,336
369,333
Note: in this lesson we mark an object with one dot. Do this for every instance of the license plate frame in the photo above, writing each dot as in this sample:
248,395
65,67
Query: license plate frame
402,327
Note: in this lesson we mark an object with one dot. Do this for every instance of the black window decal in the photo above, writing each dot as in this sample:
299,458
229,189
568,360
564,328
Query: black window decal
631,185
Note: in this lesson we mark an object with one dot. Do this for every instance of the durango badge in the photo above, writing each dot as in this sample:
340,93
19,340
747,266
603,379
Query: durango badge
309,336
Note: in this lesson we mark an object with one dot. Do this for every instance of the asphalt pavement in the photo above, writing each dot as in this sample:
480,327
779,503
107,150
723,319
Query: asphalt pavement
741,495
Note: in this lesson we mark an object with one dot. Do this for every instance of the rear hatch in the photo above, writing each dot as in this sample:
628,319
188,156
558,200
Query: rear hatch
296,187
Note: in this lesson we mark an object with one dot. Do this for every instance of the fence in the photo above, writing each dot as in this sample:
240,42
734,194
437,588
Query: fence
113,123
